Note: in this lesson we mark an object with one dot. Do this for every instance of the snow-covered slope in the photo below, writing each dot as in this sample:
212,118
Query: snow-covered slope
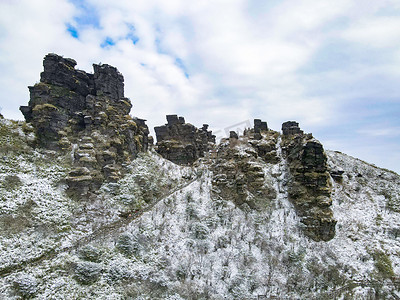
159,233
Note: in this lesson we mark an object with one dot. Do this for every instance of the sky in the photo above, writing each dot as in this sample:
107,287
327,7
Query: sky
332,66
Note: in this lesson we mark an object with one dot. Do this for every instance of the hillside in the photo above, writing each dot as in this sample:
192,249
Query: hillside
266,215
185,242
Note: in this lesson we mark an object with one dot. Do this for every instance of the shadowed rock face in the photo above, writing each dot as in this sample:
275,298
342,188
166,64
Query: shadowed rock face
72,110
309,187
291,127
108,81
238,174
260,126
182,143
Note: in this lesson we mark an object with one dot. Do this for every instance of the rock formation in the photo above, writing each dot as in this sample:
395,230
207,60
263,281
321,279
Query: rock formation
182,143
239,176
264,141
233,135
260,126
291,127
309,187
72,110
238,170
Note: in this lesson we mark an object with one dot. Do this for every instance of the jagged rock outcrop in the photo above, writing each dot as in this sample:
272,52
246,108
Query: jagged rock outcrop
264,141
309,187
259,126
72,110
183,143
238,168
290,128
233,135
239,176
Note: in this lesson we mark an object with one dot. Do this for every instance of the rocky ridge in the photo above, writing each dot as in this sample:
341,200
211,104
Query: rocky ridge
88,115
179,240
260,215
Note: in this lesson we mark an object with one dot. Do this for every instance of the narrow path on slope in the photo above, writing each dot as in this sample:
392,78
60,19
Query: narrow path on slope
106,230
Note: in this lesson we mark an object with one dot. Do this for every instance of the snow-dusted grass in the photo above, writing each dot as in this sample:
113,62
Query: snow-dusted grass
367,225
34,213
149,178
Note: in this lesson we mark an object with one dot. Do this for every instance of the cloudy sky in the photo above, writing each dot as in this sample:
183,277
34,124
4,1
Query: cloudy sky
333,66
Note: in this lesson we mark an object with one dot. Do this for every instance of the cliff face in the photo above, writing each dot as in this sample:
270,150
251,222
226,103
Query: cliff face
309,185
72,110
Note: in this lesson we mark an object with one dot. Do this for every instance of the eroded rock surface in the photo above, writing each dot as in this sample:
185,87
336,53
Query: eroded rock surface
239,172
183,143
309,187
239,175
87,114
264,141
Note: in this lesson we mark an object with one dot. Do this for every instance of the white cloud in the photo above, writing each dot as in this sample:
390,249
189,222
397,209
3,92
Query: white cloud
26,34
379,32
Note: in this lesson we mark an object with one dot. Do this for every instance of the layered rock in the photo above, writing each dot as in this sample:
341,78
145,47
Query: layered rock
239,175
259,126
72,110
264,141
309,187
291,127
183,143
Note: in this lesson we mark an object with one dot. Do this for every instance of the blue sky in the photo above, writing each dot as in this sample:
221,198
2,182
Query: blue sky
331,65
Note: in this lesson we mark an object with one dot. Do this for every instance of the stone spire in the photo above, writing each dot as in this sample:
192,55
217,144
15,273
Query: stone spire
88,114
